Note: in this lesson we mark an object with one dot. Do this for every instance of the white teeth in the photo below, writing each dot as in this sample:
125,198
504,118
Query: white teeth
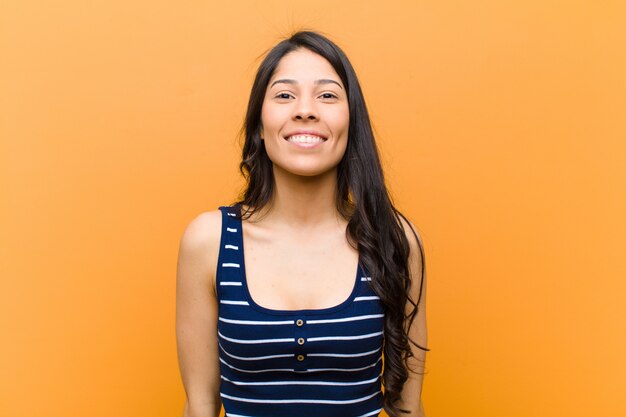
305,139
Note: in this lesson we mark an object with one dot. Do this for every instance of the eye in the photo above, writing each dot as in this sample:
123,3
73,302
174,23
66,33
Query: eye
328,95
283,96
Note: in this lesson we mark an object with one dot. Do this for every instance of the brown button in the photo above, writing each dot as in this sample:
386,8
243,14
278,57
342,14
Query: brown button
300,358
300,341
299,322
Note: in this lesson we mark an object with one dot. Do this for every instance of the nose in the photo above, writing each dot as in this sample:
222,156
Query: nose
305,109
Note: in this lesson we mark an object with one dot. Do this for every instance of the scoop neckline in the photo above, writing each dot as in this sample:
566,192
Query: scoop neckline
266,310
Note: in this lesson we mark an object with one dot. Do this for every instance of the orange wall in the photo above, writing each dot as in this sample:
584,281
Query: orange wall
502,128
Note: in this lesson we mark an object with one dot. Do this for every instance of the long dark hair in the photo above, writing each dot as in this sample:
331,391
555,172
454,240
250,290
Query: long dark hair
374,226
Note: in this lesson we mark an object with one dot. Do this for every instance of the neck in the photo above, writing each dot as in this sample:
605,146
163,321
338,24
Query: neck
304,203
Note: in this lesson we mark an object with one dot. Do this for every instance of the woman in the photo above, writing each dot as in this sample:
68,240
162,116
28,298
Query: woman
280,326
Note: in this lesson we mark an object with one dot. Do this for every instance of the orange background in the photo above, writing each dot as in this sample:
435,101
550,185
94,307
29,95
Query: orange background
501,127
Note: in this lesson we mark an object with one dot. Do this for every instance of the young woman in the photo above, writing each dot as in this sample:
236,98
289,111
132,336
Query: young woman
290,299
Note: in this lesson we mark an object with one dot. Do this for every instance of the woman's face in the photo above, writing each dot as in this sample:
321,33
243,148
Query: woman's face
305,115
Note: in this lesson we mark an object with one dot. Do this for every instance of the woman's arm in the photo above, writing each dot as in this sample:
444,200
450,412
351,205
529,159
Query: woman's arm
411,398
196,315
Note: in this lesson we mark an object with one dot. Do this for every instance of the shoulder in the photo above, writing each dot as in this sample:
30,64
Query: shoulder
199,245
202,230
414,238
417,266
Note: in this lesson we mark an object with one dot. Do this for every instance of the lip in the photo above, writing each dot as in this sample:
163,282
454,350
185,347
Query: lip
306,132
306,145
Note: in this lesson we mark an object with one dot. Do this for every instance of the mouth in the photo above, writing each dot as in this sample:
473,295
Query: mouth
305,139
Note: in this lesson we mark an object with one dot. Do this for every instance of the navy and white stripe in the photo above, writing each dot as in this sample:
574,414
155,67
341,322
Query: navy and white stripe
305,363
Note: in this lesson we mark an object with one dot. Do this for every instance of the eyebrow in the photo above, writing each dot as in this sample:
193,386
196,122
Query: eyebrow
316,82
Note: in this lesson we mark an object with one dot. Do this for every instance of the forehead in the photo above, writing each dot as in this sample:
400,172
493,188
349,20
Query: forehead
304,66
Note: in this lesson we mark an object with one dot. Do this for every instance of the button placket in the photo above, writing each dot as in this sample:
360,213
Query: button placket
300,349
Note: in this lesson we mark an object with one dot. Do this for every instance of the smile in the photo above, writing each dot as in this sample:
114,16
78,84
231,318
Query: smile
305,141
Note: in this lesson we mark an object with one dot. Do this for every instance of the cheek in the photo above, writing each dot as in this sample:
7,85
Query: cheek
266,121
340,121
272,119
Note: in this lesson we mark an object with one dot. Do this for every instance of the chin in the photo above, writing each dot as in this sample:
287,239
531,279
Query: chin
307,171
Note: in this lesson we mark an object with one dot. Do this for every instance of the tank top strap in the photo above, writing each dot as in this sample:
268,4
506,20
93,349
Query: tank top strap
229,276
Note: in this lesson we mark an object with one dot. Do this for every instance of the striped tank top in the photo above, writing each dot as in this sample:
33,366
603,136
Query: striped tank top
287,363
